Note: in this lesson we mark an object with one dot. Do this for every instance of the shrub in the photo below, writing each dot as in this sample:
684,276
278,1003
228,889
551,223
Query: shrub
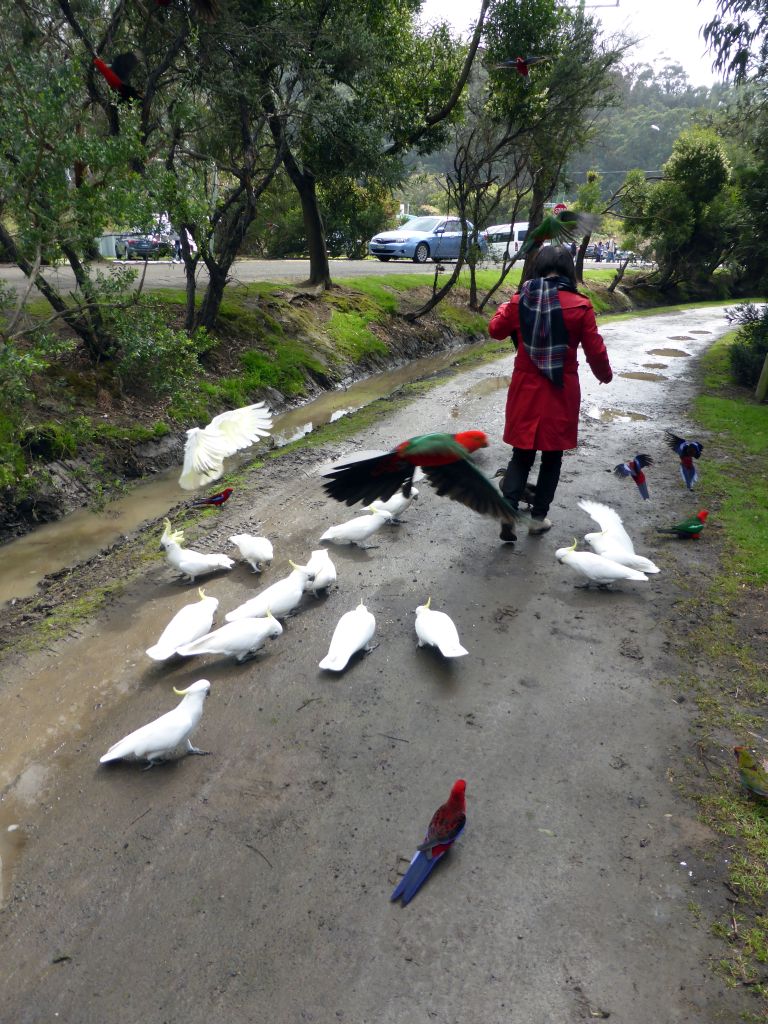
748,352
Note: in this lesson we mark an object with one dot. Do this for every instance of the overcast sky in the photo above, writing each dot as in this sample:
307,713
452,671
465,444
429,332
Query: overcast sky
667,28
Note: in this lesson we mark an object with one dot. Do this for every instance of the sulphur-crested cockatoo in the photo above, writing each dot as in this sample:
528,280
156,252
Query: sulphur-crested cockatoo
323,571
192,621
207,447
395,505
613,541
357,530
255,550
239,640
436,629
595,569
156,741
185,560
353,633
280,598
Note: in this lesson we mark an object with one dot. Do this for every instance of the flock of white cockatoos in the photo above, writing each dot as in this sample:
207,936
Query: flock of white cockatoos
247,628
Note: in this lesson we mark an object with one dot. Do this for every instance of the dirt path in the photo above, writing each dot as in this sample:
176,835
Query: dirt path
253,885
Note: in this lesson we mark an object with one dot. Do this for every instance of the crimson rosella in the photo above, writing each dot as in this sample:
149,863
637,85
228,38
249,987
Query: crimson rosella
214,499
688,451
634,468
117,74
521,65
690,527
446,464
444,829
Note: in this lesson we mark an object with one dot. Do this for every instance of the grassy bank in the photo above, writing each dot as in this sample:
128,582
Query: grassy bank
725,638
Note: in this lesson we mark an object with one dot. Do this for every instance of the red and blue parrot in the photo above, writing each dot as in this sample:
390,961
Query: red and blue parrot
446,464
444,829
214,499
634,468
117,74
687,451
522,65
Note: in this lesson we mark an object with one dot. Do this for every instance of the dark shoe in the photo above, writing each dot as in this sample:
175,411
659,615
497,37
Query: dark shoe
507,534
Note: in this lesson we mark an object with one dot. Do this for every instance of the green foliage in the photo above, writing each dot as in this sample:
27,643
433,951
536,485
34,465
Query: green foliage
352,335
354,213
749,350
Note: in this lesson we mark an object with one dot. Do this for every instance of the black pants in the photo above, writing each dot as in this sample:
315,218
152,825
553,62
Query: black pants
516,477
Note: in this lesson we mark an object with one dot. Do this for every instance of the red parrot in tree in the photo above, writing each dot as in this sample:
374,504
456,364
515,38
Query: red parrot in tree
117,74
214,499
522,64
446,826
446,464
634,468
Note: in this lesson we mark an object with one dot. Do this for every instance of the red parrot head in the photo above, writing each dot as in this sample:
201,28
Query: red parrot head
472,439
457,792
226,492
702,516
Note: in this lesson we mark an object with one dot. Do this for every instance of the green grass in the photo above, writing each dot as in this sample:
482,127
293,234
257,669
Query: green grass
352,335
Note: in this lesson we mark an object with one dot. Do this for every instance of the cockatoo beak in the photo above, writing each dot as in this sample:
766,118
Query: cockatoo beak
574,545
269,614
292,564
201,592
180,693
429,601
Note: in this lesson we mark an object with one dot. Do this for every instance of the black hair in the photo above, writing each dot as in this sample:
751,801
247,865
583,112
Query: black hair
555,259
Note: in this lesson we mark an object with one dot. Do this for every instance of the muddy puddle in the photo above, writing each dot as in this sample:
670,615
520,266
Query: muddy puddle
642,375
673,353
655,366
489,386
53,546
594,412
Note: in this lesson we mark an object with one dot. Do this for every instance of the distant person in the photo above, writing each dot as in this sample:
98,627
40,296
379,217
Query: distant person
177,250
599,252
547,320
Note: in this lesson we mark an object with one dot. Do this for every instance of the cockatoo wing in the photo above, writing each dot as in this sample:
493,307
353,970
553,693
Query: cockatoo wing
603,570
242,427
606,546
438,630
191,622
204,454
353,631
609,522
160,736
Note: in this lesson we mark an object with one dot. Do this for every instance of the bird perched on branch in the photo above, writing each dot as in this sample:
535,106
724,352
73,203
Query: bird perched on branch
687,451
521,65
229,432
445,461
558,228
753,772
634,468
690,527
444,829
217,500
157,740
117,73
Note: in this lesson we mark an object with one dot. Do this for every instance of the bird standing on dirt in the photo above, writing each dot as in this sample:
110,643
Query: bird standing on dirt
445,461
444,829
255,550
595,569
753,772
357,530
436,629
634,468
217,500
613,541
690,527
281,598
229,432
192,621
187,561
353,633
239,640
687,451
157,740
397,504
323,571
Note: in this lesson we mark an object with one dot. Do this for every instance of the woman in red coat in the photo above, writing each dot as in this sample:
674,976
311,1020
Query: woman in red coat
547,320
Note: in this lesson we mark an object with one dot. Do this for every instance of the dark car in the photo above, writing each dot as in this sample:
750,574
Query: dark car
137,246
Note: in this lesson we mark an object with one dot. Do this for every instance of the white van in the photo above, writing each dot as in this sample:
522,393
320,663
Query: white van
501,236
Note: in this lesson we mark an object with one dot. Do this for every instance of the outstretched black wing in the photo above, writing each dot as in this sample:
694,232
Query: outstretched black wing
461,481
643,461
369,479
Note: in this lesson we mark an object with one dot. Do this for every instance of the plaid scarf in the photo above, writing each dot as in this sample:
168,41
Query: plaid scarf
542,325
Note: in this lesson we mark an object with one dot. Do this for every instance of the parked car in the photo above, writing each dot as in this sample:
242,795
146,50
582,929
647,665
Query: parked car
135,245
422,239
503,238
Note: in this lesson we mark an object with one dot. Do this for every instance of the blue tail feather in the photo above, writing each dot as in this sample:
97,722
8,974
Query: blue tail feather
420,868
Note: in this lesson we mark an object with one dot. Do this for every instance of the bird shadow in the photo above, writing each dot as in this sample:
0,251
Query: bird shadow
442,669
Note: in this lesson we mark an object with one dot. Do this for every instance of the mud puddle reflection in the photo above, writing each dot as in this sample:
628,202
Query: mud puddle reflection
594,412
53,546
671,352
642,375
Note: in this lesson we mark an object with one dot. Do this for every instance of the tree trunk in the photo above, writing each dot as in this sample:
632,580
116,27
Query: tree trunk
304,181
580,258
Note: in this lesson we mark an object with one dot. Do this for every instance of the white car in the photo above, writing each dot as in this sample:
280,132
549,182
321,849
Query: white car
505,238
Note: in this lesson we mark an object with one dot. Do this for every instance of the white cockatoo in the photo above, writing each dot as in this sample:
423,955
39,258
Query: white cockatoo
239,640
156,741
353,633
185,560
279,598
595,569
395,505
192,621
323,571
255,550
613,541
357,530
229,432
436,629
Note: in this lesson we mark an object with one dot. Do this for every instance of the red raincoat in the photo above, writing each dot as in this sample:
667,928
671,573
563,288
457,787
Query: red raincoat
540,416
